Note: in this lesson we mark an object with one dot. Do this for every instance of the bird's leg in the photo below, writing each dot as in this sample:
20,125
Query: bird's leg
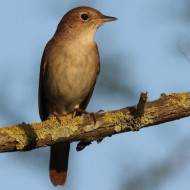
55,114
92,114
81,145
77,109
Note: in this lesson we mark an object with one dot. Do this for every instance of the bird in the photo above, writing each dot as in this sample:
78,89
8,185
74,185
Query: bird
69,69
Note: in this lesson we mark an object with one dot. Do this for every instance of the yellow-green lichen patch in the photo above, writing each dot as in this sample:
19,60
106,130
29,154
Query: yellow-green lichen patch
16,133
148,116
117,128
66,128
146,119
118,119
178,99
152,110
163,95
92,126
57,129
42,129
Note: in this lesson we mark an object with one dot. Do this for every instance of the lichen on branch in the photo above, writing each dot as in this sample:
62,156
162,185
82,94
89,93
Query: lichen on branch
24,137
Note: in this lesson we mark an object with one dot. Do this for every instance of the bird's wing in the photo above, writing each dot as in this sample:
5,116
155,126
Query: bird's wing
59,153
41,96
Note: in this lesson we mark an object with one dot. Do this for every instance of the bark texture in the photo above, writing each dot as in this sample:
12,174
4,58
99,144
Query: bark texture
24,137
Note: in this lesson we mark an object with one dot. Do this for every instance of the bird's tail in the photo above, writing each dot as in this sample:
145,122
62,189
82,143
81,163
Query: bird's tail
59,156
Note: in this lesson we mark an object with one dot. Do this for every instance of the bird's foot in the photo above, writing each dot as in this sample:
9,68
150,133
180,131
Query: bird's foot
56,115
92,114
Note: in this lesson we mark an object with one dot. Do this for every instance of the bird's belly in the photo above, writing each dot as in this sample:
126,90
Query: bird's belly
75,84
70,83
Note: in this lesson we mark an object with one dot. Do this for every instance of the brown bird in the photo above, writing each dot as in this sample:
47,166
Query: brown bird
68,73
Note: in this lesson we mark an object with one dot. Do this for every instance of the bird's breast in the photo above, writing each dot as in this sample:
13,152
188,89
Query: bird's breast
70,76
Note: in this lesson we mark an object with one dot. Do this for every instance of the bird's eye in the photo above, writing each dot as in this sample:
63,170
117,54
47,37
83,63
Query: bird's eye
84,16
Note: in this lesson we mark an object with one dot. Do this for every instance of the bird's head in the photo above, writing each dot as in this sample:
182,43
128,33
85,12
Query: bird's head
82,20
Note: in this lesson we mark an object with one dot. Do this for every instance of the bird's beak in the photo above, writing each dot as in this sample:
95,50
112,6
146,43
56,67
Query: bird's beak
108,18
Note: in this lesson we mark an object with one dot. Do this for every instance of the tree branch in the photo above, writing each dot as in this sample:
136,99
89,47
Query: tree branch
25,137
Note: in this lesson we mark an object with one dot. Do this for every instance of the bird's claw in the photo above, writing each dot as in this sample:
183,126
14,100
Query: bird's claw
56,115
